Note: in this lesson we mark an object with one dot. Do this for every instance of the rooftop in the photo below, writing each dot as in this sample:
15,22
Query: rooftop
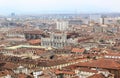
27,46
101,63
97,76
78,50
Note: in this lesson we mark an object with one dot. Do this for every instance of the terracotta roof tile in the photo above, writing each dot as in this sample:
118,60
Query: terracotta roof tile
35,41
64,72
88,70
4,73
22,76
10,65
78,50
101,63
34,32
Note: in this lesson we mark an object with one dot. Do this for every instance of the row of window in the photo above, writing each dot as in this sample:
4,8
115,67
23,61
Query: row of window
53,44
33,36
57,37
112,57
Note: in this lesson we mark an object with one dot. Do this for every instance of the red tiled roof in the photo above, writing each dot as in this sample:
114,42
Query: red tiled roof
64,72
4,73
101,63
35,41
95,49
22,76
113,54
84,39
88,70
10,65
34,32
78,50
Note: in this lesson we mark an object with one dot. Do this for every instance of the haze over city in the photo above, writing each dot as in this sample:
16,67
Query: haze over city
58,6
59,39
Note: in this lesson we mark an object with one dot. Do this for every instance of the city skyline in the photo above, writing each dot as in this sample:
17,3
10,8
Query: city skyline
58,6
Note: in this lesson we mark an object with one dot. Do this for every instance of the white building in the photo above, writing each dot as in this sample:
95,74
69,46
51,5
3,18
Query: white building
57,40
21,69
37,73
62,25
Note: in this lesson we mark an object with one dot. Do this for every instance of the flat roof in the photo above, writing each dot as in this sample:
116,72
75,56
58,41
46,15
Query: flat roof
28,46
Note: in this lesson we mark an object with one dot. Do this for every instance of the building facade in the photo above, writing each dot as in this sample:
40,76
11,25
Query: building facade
56,40
62,25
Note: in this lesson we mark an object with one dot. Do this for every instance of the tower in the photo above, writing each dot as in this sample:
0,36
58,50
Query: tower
62,25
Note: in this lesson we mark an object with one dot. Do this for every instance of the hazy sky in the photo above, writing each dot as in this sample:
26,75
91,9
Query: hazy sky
58,6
